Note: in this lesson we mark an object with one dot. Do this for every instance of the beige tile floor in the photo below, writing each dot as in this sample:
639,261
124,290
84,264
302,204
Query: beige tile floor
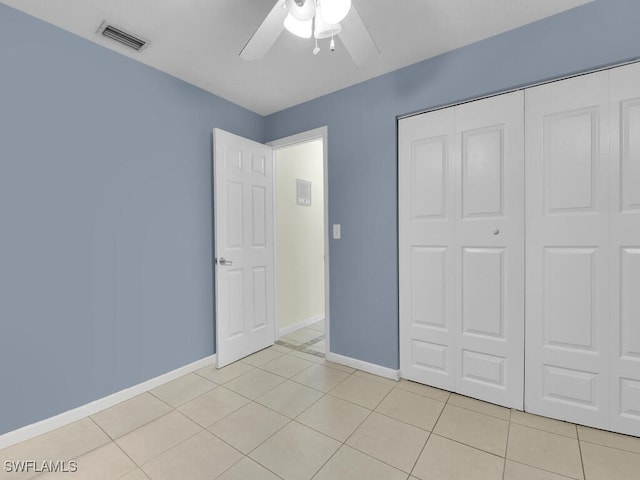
285,412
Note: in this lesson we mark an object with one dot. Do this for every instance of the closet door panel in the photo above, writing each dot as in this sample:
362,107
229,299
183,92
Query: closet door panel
625,249
568,250
490,249
426,249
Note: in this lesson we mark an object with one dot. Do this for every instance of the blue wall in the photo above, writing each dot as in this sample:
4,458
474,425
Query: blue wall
105,220
362,149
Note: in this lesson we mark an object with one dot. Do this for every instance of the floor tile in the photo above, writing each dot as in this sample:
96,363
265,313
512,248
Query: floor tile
224,374
609,439
65,443
202,457
303,335
295,452
361,391
255,383
137,474
157,437
318,326
210,407
183,389
321,378
543,450
375,378
408,407
609,463
474,429
444,459
518,471
350,464
389,440
334,417
319,346
337,366
104,463
424,390
287,366
479,406
281,348
290,398
287,342
247,469
262,357
306,356
131,414
544,423
249,426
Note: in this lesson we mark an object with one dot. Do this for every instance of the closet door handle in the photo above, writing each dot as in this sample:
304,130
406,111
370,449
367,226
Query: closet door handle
496,231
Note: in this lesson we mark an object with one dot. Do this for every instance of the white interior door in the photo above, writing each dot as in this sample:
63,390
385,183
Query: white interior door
427,258
625,249
244,274
490,249
568,250
461,249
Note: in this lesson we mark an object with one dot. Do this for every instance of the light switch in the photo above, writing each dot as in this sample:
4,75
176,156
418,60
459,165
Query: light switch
336,231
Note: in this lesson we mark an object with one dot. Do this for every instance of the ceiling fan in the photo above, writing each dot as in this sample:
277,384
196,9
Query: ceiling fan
320,19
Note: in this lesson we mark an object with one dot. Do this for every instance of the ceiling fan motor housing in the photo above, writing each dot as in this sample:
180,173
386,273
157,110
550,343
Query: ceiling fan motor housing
302,10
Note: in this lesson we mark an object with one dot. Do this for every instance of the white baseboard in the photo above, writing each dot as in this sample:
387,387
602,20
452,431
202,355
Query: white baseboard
364,366
298,325
70,416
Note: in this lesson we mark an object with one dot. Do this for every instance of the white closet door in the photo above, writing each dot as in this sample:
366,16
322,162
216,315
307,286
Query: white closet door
461,248
625,249
427,249
490,249
568,250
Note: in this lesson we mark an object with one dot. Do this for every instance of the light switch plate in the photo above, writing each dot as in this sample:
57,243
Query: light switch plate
336,231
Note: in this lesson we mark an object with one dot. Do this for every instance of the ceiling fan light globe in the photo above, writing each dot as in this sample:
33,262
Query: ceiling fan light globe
324,29
334,11
302,11
297,27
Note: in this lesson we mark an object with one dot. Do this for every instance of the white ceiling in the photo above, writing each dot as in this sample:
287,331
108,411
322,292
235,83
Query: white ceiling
198,41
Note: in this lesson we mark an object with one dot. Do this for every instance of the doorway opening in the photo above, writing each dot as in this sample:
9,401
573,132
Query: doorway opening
301,242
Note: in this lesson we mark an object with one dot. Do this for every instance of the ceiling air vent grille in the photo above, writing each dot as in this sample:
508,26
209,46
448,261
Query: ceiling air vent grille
123,37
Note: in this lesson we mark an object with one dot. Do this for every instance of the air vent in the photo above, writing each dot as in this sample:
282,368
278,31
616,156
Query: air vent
123,37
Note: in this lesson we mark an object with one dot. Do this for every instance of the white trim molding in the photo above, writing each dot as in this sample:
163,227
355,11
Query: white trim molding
70,416
364,366
298,325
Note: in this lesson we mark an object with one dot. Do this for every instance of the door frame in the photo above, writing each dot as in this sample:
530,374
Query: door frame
299,138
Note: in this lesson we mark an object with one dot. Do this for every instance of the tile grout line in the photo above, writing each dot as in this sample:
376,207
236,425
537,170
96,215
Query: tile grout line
344,443
112,440
247,455
429,436
506,448
584,474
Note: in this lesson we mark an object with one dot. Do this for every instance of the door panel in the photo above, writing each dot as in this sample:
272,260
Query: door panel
243,201
625,249
490,249
426,253
567,338
482,171
483,292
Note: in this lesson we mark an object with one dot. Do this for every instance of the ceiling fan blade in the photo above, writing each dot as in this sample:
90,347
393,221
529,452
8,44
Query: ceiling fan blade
266,34
357,39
